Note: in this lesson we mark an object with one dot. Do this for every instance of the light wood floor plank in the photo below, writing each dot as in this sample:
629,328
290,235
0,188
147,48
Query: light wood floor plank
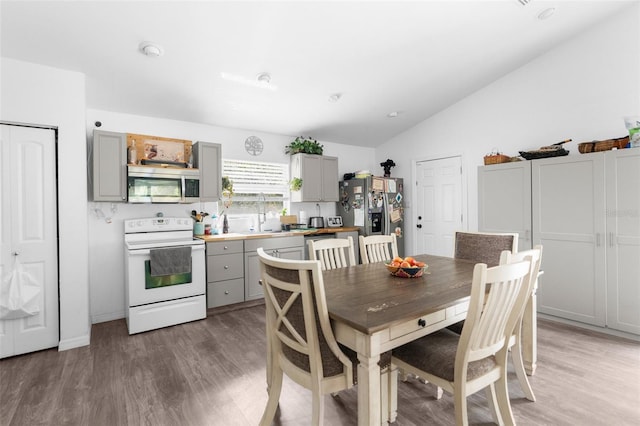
212,372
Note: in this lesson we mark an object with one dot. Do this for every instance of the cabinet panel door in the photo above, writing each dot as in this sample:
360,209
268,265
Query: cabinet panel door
623,240
109,166
568,220
330,179
208,159
504,200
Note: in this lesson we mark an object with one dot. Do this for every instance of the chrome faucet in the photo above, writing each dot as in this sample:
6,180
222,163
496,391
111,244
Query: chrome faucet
262,210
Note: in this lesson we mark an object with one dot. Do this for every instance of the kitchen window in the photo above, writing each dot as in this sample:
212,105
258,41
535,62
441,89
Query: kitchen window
258,187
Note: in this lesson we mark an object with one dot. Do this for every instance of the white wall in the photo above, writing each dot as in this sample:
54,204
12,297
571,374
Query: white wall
106,241
35,94
579,90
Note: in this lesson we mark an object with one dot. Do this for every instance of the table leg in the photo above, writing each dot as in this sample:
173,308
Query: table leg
369,408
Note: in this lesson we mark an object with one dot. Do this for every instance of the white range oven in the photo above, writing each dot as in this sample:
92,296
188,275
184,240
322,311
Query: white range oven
165,273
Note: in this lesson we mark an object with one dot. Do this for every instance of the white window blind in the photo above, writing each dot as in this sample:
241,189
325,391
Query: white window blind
252,178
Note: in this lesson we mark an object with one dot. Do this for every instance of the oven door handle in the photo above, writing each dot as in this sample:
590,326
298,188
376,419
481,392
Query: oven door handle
145,252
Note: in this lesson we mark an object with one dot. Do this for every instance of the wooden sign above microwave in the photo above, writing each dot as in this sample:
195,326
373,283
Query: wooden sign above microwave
157,149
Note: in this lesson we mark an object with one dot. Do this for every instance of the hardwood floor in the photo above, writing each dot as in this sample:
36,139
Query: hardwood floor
212,372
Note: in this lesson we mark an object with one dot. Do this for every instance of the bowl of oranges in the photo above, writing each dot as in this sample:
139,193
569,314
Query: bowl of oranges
407,267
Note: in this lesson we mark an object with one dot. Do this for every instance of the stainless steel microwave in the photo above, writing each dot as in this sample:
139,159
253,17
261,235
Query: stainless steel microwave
162,185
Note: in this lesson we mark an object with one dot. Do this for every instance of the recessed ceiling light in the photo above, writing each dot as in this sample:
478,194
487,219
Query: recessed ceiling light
547,13
151,49
335,97
392,114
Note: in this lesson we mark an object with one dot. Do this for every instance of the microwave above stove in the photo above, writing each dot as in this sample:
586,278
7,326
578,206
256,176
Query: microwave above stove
162,185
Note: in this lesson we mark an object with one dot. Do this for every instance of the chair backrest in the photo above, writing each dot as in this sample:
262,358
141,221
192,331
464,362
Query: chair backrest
332,252
535,254
484,247
378,248
298,325
492,315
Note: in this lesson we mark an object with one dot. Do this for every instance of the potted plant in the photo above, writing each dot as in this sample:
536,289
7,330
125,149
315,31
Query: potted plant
295,184
305,146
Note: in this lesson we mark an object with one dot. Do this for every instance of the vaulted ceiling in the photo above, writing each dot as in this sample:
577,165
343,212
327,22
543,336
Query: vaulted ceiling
388,64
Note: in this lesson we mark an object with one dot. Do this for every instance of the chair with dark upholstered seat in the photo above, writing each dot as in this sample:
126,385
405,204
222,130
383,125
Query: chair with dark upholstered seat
516,342
484,247
300,341
299,336
463,364
332,252
378,248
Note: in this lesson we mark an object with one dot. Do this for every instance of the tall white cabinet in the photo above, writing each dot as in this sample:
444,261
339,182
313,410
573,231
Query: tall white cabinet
569,221
622,187
585,211
504,200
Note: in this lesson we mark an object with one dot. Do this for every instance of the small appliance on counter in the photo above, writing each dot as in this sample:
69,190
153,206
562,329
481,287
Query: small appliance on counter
334,222
316,222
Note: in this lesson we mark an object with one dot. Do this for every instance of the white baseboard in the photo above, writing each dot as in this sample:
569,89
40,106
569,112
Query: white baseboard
95,319
76,342
590,327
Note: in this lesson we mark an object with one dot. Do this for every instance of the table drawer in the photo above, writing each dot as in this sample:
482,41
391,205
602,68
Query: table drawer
417,324
225,267
225,293
225,247
460,308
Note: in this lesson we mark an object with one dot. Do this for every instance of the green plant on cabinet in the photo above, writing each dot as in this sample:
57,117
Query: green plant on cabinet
305,146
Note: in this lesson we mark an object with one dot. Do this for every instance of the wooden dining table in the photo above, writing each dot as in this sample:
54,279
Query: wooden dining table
373,312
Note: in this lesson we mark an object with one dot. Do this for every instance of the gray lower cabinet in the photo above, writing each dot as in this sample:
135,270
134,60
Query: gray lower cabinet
225,273
283,247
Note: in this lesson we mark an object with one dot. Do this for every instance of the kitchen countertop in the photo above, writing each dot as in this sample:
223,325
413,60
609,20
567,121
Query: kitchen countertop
252,235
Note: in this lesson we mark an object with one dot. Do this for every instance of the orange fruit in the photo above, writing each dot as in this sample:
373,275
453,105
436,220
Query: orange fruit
410,260
405,264
419,264
397,259
395,263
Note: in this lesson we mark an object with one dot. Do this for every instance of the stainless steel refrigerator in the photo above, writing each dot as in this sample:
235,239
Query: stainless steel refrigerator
375,205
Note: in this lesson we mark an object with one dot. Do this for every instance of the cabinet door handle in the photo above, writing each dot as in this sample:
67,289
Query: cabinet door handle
597,239
226,292
422,322
526,235
611,243
226,266
226,248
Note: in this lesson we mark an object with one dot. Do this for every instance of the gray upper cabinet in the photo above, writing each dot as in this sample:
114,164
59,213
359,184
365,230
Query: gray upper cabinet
319,176
207,157
109,166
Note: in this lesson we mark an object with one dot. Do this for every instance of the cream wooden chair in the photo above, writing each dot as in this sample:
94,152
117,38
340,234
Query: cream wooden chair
378,248
481,247
516,340
299,336
476,359
332,252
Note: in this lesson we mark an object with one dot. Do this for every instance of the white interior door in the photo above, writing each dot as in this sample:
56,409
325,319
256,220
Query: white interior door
439,205
28,232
